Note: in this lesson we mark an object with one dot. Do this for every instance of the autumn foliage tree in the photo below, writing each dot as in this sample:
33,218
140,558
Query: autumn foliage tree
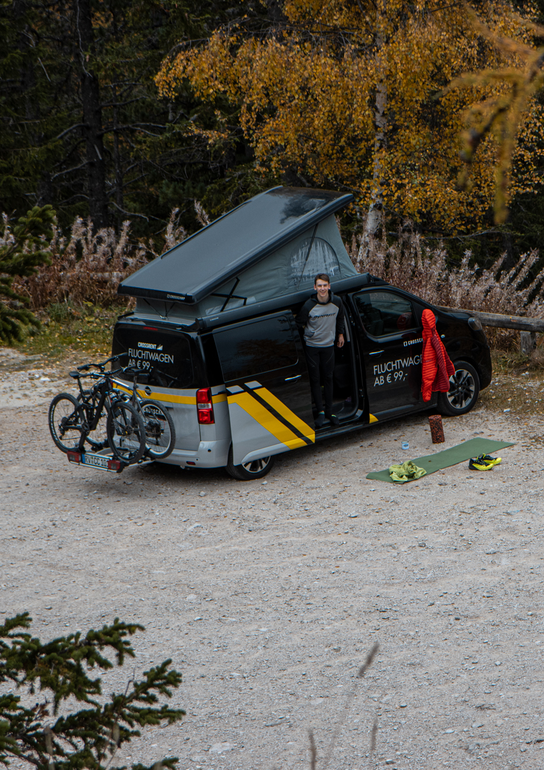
354,95
510,94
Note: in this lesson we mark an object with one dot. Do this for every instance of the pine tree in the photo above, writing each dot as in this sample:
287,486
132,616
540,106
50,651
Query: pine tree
83,128
53,676
21,251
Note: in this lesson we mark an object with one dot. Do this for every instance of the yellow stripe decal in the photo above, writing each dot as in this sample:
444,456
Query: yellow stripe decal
267,420
219,398
371,418
167,397
287,414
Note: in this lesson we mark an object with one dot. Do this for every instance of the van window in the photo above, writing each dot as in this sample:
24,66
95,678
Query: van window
164,358
251,349
384,312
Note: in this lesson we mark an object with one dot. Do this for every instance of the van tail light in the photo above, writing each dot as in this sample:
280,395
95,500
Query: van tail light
204,406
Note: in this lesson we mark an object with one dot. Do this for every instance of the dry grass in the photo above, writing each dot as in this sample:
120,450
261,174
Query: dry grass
88,266
72,334
84,267
411,264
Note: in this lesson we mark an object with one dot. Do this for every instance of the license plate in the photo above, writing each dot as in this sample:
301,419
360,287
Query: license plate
97,461
102,462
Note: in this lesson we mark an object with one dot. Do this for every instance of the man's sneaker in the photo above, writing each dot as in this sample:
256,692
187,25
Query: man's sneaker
488,460
478,465
320,420
334,420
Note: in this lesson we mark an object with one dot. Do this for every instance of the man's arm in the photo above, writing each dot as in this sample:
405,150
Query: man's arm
303,315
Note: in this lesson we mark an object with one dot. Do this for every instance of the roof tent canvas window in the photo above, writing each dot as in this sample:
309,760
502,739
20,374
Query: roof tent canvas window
291,268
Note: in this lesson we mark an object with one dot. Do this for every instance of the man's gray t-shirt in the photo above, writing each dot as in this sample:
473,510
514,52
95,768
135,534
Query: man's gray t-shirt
322,321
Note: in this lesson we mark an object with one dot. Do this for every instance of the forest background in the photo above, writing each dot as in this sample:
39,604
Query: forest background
139,121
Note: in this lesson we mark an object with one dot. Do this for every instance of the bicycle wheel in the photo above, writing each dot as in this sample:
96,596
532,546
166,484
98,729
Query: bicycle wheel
66,422
126,432
160,434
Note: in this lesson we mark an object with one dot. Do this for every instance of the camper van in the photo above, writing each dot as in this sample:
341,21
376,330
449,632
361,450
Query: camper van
215,339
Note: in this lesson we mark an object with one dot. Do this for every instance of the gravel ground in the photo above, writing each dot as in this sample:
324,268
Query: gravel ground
268,595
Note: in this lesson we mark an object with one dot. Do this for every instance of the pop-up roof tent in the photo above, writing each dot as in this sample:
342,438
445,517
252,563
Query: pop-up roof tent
270,246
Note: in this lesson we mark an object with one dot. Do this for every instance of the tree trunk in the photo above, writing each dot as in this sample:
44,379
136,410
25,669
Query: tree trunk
119,198
373,228
92,117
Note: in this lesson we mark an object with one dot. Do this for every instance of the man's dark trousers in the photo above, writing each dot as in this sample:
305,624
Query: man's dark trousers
321,370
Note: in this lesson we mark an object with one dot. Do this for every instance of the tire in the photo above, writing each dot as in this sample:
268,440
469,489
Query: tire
126,432
160,434
463,392
66,422
256,469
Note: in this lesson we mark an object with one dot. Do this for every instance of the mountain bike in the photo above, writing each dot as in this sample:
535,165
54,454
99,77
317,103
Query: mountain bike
72,420
160,433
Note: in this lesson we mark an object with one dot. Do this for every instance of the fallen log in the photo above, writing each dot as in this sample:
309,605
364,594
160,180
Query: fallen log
502,321
528,327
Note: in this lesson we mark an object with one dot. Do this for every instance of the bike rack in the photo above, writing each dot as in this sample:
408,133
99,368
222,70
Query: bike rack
104,460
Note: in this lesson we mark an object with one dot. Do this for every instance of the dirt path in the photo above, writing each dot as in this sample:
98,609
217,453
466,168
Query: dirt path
268,595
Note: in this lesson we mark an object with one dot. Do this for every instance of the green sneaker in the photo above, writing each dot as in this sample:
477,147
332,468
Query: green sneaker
488,460
478,465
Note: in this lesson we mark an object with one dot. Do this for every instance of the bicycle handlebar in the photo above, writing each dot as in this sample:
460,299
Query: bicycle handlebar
101,365
134,372
129,371
101,375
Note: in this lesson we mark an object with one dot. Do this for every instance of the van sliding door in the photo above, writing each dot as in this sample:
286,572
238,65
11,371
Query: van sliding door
268,390
391,343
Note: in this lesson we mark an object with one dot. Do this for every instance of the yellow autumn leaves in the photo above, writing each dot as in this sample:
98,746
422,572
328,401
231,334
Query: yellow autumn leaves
307,96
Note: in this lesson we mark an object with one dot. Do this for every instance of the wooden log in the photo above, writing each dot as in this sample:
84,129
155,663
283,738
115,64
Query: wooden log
502,321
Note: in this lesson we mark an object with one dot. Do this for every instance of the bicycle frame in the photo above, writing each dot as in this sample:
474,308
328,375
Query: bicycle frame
94,399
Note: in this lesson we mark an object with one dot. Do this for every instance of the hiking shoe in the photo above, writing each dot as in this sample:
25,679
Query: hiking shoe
320,420
334,420
488,460
478,465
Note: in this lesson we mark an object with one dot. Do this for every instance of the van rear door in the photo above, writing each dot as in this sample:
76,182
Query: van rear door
168,363
268,389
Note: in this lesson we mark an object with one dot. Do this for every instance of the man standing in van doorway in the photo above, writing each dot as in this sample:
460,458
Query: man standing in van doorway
322,317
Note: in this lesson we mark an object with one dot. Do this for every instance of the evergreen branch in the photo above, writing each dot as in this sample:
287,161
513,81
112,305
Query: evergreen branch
86,738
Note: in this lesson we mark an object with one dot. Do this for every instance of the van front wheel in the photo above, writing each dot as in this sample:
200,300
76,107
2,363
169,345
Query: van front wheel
463,392
255,469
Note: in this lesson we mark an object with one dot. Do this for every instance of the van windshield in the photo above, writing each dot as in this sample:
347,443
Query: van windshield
164,358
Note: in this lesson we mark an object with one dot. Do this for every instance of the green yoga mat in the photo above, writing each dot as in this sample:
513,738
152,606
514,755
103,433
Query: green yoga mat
457,454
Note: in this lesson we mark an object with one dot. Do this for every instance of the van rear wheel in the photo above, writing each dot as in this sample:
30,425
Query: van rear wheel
255,469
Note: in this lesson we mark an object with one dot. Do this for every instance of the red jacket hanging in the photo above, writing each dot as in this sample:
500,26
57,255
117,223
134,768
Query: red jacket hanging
436,367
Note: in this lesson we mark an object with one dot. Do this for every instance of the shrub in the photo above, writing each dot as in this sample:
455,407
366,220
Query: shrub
23,249
411,264
88,265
